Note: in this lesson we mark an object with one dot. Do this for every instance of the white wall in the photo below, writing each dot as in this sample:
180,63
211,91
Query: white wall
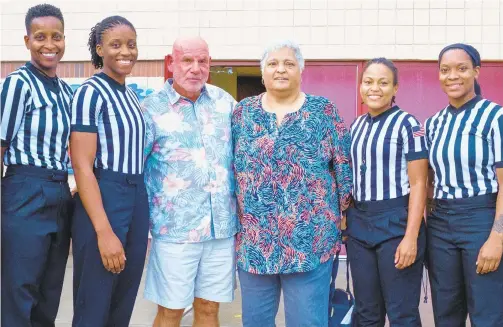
239,29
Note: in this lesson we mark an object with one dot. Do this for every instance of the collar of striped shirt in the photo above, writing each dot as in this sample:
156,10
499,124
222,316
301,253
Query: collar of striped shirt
51,83
174,96
113,83
384,114
470,104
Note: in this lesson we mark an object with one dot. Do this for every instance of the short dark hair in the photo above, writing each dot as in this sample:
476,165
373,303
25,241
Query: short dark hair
43,10
97,33
386,62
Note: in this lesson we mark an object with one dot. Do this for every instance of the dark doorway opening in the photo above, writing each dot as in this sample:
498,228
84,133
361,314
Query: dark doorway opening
248,86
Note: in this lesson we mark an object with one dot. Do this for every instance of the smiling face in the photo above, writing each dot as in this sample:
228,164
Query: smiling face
119,52
282,72
457,76
46,42
377,89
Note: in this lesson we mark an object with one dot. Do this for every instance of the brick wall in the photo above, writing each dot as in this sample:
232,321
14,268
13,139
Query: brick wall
70,69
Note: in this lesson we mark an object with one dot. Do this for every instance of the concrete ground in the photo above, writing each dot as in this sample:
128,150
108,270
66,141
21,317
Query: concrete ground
230,314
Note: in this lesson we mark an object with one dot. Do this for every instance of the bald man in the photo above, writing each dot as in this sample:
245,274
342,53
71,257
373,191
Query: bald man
188,173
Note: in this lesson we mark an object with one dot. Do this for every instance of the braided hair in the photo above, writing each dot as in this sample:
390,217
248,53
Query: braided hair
43,10
96,35
388,63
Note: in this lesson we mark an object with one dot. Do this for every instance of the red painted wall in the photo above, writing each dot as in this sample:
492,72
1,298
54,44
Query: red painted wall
419,91
337,82
491,81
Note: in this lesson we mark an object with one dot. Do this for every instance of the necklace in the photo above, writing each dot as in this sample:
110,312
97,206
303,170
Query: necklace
53,80
43,73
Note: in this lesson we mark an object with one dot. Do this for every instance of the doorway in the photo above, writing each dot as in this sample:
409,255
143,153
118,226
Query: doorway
240,81
249,86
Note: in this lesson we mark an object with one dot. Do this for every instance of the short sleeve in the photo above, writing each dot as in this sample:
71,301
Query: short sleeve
14,102
497,136
414,139
150,127
87,105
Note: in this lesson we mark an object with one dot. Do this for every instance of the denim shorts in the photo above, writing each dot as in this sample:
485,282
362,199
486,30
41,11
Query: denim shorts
179,272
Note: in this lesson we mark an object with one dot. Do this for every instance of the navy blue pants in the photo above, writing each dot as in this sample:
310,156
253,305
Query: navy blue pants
36,205
101,298
375,230
457,229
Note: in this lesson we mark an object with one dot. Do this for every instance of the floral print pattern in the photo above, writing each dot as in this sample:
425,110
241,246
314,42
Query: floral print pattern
188,165
292,183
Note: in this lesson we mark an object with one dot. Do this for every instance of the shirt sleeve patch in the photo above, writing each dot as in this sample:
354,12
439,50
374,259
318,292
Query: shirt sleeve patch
418,131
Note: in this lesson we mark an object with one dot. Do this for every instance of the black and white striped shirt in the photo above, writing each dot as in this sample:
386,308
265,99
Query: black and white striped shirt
465,148
35,119
104,106
381,146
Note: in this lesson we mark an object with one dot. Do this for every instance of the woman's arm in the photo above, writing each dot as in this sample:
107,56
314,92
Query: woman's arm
415,149
406,252
430,184
342,161
87,106
4,148
15,100
489,257
83,149
490,254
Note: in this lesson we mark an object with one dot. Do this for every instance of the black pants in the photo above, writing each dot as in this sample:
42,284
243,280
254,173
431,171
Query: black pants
375,230
457,229
101,298
36,205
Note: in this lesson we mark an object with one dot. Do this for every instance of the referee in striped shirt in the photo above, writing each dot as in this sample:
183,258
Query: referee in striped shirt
110,223
36,199
387,239
465,226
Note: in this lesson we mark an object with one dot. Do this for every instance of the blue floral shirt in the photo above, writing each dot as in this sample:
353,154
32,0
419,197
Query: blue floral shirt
292,183
188,165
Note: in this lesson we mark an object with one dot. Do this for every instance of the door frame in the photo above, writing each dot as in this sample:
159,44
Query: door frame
255,63
359,68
